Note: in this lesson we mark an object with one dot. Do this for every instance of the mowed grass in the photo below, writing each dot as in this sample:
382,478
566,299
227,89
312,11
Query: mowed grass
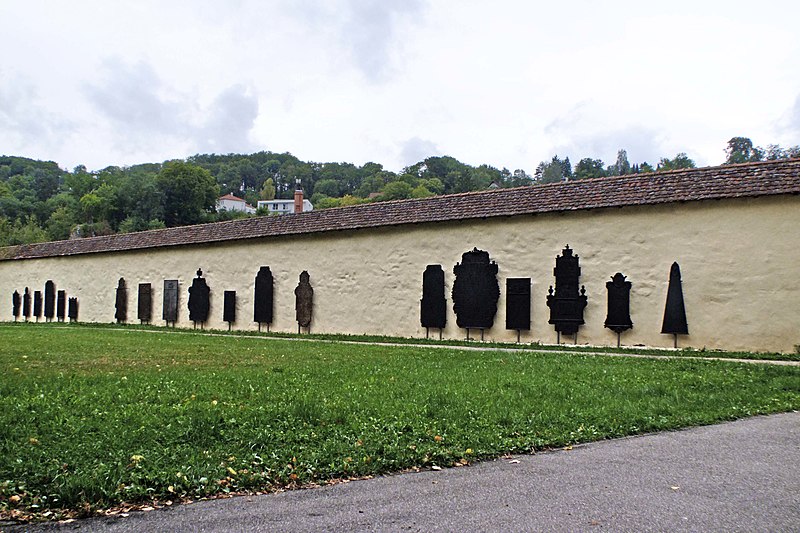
91,418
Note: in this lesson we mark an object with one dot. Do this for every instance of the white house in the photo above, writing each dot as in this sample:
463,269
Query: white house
230,202
284,207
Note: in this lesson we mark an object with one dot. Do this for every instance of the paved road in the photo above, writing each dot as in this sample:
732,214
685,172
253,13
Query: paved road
739,476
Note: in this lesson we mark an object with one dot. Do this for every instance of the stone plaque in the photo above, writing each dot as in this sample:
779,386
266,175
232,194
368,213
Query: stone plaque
15,304
262,307
303,300
475,290
73,310
49,300
433,305
144,311
229,307
121,301
518,303
618,318
199,298
37,304
567,304
61,305
170,309
675,310
26,304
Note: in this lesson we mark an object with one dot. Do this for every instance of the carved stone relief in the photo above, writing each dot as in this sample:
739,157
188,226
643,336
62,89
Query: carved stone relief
433,305
49,300
170,309
518,303
229,307
475,290
262,307
567,304
61,305
144,309
121,302
199,302
675,310
303,301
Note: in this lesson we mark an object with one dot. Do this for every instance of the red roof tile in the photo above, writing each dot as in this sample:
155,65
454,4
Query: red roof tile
766,178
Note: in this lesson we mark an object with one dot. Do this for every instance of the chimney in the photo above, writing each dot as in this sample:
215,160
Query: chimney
298,199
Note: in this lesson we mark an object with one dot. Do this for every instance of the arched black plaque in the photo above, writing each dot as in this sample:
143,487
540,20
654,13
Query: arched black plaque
144,309
229,307
73,310
675,311
15,303
567,304
262,307
37,304
618,318
121,301
26,304
199,299
61,305
518,303
170,309
49,300
475,290
433,305
303,301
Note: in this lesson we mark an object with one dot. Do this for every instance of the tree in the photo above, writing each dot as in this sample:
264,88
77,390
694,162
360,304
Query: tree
268,190
741,150
678,162
396,190
189,193
589,168
622,166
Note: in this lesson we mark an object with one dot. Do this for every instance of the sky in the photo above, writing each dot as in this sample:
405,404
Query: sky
505,83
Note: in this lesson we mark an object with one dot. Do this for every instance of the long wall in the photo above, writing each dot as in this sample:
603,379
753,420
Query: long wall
739,260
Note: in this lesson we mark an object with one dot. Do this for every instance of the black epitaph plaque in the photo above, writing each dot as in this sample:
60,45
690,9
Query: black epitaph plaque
121,301
618,318
518,303
303,300
170,309
144,310
49,300
475,290
229,307
61,305
26,304
675,310
262,307
567,304
199,294
73,310
15,303
37,304
433,305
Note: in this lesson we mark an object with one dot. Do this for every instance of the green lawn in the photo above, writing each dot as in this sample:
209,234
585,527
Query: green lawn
93,417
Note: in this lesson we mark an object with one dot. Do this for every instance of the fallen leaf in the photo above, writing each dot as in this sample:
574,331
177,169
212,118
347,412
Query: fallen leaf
514,462
434,467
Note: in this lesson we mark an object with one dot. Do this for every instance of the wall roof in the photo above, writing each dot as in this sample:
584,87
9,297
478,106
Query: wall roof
767,178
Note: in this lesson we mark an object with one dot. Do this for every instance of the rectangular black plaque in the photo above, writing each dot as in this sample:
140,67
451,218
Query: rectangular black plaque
229,311
518,303
170,313
145,304
37,304
61,305
73,310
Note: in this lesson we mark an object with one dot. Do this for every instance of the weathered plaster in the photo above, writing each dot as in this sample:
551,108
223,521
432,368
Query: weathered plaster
739,260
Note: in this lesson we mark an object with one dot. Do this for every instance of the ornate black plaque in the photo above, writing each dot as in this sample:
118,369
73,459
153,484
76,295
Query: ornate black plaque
15,303
475,290
170,310
675,311
618,318
37,304
433,305
303,301
199,298
229,307
518,303
144,311
26,304
49,300
262,308
121,302
61,305
73,309
567,304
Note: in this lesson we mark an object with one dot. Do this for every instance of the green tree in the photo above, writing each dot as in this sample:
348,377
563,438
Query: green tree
189,193
396,190
621,167
741,150
680,161
589,168
268,189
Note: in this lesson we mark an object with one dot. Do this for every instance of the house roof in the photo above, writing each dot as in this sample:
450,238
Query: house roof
229,196
768,178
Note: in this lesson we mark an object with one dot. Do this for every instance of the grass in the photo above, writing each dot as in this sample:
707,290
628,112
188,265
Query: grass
90,418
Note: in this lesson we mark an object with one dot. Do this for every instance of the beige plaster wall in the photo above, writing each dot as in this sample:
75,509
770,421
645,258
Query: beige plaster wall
739,260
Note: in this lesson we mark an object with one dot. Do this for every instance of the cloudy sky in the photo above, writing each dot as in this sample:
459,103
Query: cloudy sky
507,83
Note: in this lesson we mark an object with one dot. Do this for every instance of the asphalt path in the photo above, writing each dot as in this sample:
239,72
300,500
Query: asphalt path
737,476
